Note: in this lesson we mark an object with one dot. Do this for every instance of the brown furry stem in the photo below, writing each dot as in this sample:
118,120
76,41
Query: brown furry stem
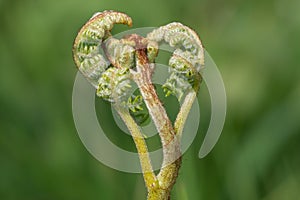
170,143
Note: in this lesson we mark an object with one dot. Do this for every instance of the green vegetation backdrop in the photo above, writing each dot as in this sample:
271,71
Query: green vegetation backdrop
256,47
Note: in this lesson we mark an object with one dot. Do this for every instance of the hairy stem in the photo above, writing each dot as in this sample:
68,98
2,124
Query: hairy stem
149,176
184,112
170,143
186,107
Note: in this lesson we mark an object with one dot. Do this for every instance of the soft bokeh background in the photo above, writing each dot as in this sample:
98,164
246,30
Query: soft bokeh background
256,47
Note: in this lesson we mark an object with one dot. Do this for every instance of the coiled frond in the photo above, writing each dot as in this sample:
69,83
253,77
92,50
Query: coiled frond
114,85
121,52
187,59
87,45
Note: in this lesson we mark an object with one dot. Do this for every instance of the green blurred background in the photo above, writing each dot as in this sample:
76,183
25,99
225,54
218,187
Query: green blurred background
256,47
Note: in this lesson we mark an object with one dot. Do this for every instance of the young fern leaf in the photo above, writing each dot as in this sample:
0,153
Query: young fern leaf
114,84
86,48
121,53
111,65
186,61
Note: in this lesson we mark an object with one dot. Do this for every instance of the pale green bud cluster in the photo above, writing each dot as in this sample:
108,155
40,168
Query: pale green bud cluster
135,103
182,76
114,84
122,52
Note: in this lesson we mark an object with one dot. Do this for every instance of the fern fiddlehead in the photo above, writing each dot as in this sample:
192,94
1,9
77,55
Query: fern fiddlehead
112,65
86,48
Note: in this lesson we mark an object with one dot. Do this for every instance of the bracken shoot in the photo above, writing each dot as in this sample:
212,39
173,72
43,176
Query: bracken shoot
112,65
